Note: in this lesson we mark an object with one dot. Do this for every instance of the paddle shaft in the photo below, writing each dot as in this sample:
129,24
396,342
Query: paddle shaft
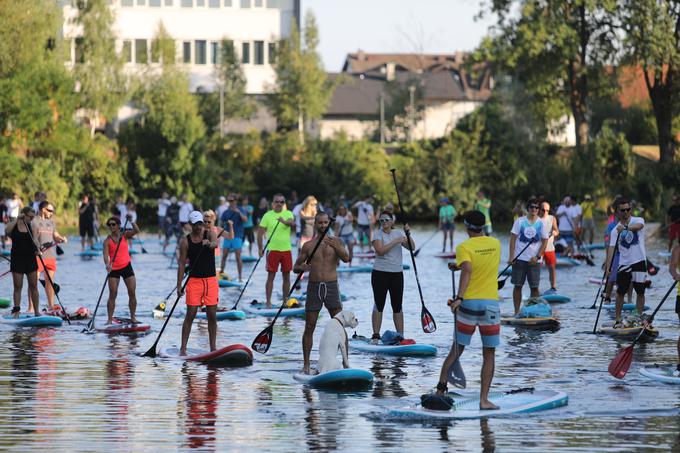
512,262
255,267
90,325
656,310
152,351
603,282
408,237
47,273
579,242
424,243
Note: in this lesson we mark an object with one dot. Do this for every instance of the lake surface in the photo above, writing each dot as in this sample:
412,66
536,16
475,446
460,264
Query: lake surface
63,390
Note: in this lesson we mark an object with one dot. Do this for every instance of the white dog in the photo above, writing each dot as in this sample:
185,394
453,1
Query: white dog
334,337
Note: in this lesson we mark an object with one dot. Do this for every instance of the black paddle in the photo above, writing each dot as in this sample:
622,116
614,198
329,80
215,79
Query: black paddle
606,273
426,241
263,340
255,267
46,272
455,374
579,243
152,351
90,325
501,283
426,318
163,304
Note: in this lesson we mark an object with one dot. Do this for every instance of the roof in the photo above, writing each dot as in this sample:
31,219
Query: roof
360,62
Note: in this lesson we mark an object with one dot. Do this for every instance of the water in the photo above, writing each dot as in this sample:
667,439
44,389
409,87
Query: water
64,390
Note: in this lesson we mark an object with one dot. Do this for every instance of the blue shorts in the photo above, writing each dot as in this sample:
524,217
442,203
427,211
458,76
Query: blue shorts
568,236
486,314
615,268
232,244
448,226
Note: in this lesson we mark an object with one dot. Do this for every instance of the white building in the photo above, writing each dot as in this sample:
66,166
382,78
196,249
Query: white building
197,27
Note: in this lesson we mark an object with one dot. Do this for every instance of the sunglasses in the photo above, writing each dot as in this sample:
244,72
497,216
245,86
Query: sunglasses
111,225
533,206
279,201
624,209
383,220
541,210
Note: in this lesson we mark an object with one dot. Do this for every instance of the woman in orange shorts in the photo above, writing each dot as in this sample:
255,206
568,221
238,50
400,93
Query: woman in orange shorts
201,289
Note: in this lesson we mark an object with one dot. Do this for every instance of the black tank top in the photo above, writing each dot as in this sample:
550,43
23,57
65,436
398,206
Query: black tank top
22,245
202,266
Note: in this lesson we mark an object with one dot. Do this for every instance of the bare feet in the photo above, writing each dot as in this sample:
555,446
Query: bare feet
487,405
182,352
133,320
109,321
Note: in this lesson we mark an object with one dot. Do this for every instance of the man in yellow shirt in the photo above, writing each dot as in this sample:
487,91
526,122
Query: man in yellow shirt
476,302
587,220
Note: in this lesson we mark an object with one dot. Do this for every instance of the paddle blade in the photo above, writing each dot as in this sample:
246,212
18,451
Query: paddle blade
151,352
427,321
501,283
144,250
455,375
621,363
416,252
262,342
60,251
589,262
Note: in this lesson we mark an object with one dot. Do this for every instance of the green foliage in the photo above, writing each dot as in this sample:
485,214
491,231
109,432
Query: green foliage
398,115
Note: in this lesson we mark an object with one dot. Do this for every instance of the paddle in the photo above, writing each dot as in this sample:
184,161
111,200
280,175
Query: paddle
501,283
426,318
602,282
579,244
621,363
426,241
46,272
163,304
455,374
90,325
152,351
5,273
255,267
263,340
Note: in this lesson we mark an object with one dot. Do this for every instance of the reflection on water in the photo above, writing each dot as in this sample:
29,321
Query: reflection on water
62,390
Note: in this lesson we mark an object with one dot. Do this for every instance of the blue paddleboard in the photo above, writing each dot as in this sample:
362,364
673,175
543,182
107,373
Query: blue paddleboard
409,350
345,379
261,310
231,315
229,284
26,320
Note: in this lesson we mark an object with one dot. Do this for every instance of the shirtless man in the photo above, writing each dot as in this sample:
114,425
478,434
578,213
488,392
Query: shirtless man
322,286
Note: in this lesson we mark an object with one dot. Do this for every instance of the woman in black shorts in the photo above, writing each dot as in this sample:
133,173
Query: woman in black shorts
119,265
23,261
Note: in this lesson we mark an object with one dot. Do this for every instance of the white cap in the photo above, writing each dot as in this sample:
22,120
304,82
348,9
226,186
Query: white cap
222,198
195,217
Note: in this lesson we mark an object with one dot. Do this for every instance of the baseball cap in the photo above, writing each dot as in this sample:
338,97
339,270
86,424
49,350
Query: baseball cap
195,217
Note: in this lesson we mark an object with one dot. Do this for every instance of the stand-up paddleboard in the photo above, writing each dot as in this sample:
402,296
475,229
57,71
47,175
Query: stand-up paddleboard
6,252
595,280
122,326
661,373
88,253
362,269
566,262
650,333
665,254
626,307
403,350
79,314
5,303
598,246
519,402
28,320
550,323
229,284
364,255
98,246
554,297
345,379
449,255
224,314
234,355
260,309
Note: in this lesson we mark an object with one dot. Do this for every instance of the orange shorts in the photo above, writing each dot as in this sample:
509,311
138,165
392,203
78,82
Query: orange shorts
50,264
550,258
202,291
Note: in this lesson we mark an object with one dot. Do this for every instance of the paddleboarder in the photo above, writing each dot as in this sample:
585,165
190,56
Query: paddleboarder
201,288
46,234
674,269
278,249
322,286
119,265
629,233
388,273
23,259
344,229
478,259
550,257
483,205
447,215
526,266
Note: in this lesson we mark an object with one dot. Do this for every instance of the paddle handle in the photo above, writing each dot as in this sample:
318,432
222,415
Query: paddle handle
255,267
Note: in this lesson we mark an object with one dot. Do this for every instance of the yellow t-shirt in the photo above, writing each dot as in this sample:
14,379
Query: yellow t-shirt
587,209
484,253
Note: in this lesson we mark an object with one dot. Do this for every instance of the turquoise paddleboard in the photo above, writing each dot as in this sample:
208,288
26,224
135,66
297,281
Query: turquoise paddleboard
229,284
230,315
27,320
261,310
410,350
344,379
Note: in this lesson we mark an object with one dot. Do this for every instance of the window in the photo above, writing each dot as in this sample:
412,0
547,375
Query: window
272,53
155,3
141,51
258,3
199,52
80,53
127,2
127,51
186,52
245,3
227,3
245,52
214,52
187,3
214,3
141,2
259,52
272,4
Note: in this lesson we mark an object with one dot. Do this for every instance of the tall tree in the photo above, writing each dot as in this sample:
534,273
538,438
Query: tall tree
653,42
302,90
557,50
98,66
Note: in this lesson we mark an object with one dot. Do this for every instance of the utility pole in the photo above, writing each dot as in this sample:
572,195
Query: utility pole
382,118
221,110
412,92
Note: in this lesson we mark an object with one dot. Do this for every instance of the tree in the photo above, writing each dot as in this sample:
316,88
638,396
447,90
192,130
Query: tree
557,50
98,67
652,41
399,118
302,91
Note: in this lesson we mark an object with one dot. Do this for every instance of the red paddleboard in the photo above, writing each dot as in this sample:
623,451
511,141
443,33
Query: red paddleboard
123,326
450,255
230,356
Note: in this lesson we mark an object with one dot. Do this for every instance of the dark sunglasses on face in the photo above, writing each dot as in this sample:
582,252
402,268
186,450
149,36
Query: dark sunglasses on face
541,210
111,225
533,206
278,201
624,209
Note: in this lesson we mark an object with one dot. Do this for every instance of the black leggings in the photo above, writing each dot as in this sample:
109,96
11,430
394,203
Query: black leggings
382,282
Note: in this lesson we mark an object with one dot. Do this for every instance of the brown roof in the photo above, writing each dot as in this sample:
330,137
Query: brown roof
360,62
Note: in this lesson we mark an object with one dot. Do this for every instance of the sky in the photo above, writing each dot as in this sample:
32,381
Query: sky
395,26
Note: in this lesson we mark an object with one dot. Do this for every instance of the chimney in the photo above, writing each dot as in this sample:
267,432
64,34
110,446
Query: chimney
390,72
459,56
361,56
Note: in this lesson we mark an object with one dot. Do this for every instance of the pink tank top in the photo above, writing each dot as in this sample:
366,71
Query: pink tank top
123,255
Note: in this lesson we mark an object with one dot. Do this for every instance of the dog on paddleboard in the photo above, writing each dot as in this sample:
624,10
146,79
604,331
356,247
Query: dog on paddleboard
334,337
